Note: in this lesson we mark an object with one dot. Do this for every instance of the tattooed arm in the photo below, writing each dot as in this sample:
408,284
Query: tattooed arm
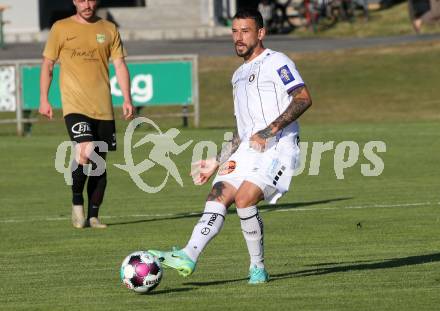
301,101
202,170
228,149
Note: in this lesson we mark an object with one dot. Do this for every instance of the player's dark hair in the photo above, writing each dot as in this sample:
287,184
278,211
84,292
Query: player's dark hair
250,13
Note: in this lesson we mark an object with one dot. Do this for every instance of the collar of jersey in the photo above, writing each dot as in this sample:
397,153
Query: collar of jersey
265,51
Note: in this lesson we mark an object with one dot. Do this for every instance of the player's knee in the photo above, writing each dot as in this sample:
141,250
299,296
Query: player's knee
83,152
243,200
222,193
248,195
83,159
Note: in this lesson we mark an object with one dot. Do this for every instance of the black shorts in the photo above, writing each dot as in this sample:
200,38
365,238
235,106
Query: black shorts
82,129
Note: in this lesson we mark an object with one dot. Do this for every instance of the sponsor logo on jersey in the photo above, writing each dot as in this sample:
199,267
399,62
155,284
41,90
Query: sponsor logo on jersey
285,74
252,78
227,168
100,38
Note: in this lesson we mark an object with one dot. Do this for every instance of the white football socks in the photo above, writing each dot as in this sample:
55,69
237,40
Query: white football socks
206,229
252,228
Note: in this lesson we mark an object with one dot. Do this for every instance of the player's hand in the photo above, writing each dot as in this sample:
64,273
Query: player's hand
257,143
202,170
128,110
45,109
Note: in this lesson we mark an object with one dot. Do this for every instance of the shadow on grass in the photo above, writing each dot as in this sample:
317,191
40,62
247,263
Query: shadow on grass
219,282
385,264
336,263
266,208
343,267
176,216
286,206
169,291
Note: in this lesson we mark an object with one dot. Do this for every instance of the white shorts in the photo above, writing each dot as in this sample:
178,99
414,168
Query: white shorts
271,170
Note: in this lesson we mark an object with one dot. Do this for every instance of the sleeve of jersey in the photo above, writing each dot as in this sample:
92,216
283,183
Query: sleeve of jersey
117,48
53,44
233,92
284,73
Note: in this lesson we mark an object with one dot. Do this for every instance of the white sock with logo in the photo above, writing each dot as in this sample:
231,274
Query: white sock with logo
206,229
252,228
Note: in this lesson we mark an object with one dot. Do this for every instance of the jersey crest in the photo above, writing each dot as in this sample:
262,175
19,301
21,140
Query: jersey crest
100,38
252,78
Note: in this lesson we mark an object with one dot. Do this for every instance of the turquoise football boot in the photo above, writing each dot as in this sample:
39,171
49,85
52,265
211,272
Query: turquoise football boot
258,275
176,259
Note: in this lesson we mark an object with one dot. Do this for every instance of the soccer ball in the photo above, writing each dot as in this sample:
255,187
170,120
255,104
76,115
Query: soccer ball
141,272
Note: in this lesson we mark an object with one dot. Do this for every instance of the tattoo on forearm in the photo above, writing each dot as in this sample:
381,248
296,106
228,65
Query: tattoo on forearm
216,193
228,149
296,108
265,133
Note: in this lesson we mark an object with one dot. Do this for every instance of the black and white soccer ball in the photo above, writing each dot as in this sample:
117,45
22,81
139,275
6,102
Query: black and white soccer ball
141,272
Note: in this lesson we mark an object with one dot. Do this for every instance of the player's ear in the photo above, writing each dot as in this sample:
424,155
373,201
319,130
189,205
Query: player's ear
261,33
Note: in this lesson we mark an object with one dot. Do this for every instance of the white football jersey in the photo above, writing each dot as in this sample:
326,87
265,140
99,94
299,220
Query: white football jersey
261,91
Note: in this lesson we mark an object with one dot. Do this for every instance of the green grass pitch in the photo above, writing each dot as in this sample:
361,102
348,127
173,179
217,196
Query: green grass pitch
361,243
318,255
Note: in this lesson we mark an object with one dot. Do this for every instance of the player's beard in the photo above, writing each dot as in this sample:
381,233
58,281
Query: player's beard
247,52
87,14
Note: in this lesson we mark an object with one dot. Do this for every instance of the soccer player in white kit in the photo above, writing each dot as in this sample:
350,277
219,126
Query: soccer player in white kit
269,96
